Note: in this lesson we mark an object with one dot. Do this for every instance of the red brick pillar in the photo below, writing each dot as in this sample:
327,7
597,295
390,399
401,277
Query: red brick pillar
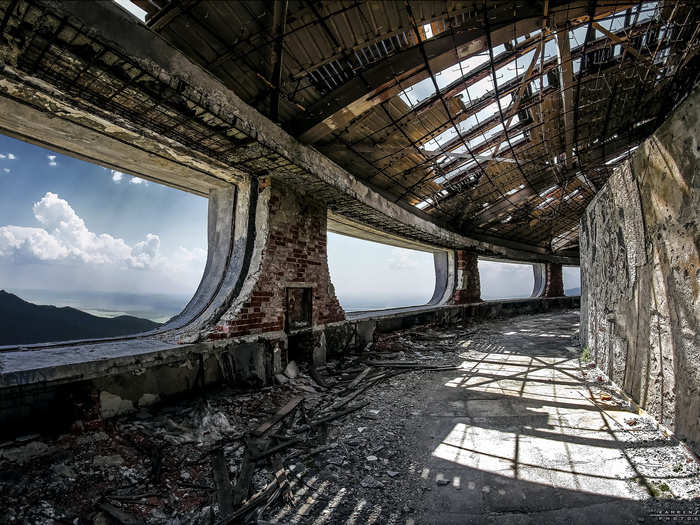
288,283
554,283
467,283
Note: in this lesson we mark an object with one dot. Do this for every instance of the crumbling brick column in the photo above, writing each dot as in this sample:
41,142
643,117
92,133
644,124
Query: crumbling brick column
553,281
467,283
288,283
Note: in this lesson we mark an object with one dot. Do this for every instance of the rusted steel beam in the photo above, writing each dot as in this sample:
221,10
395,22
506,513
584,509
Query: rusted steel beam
279,22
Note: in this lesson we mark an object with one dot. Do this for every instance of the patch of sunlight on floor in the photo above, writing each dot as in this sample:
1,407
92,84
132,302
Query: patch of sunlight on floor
549,461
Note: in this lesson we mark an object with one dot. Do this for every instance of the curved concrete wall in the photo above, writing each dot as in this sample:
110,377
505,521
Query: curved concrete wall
640,274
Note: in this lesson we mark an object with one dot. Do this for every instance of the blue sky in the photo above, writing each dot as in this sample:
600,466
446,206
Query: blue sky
67,224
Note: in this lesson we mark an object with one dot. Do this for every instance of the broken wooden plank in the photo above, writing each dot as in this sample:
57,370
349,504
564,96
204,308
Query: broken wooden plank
313,372
224,489
119,515
254,502
277,448
359,378
245,475
338,415
391,363
279,416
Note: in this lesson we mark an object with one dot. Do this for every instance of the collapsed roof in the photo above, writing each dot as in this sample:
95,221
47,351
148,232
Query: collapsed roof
484,125
497,119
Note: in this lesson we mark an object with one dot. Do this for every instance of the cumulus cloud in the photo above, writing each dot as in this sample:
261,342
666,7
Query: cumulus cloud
3,156
401,260
136,180
6,170
11,156
64,236
52,160
117,176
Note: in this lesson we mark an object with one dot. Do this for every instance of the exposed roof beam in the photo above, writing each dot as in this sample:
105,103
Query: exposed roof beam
474,107
379,83
279,21
566,80
485,158
624,42
384,80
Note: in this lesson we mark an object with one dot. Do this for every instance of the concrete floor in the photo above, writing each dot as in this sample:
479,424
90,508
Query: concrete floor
521,439
519,434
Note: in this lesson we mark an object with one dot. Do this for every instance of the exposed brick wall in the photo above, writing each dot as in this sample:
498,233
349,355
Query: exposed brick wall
554,282
468,284
295,252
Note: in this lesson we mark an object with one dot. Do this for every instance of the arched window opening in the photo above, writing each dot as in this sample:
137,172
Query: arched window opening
90,252
505,280
369,276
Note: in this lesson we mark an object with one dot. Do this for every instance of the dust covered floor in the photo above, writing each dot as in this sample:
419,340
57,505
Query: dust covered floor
497,423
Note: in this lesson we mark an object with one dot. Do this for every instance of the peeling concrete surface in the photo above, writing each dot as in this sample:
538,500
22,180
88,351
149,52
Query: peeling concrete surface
640,273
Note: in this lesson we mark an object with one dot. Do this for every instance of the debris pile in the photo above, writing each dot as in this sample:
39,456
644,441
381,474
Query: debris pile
231,456
355,441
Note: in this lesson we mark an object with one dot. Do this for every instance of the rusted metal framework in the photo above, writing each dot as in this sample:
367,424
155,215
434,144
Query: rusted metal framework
497,119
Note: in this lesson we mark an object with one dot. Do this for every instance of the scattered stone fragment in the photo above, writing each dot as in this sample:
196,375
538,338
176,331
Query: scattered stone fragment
441,480
392,473
372,458
335,460
369,482
25,453
108,461
292,371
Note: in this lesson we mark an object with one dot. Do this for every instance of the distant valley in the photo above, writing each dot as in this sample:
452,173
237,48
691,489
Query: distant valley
22,322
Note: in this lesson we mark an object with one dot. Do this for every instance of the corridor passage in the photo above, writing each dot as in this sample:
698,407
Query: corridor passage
522,432
497,422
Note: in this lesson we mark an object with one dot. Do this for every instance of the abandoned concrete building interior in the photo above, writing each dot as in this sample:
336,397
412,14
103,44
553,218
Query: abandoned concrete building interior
553,133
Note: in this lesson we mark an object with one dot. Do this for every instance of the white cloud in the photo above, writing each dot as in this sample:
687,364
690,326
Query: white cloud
6,170
136,180
30,243
3,156
11,156
64,236
401,260
52,160
117,176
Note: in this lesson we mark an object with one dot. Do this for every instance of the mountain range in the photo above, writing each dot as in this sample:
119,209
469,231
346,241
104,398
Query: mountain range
22,322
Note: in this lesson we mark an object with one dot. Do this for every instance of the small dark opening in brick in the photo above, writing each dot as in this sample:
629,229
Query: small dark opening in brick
298,308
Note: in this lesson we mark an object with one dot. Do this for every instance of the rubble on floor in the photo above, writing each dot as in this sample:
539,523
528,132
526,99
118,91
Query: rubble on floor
338,449
158,464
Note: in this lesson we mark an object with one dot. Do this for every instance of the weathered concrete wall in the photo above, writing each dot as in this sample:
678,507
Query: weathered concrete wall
640,274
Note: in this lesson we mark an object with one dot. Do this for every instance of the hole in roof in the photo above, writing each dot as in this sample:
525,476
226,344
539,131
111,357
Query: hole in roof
544,203
424,89
466,125
133,9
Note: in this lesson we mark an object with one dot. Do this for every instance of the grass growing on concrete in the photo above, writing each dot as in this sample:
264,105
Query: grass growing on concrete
586,355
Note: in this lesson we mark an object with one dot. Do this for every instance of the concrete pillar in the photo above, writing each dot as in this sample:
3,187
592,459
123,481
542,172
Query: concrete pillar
467,283
548,280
